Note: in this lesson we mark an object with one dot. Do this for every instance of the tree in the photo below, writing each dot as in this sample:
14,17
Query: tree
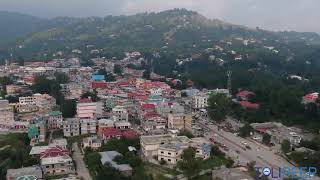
285,146
42,85
245,130
266,139
117,69
146,74
219,106
215,151
68,108
92,95
189,163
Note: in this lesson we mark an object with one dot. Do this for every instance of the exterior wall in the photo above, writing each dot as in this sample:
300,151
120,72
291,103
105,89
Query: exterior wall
86,110
120,114
71,129
199,102
88,126
56,169
169,155
6,114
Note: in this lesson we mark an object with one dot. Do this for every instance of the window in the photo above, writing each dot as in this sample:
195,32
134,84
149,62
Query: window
169,153
161,152
169,160
198,151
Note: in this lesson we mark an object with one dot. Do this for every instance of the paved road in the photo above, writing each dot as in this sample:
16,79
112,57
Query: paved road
82,170
262,155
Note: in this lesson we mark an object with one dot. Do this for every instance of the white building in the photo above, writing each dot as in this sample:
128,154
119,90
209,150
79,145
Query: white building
6,115
120,113
57,165
199,101
88,126
71,127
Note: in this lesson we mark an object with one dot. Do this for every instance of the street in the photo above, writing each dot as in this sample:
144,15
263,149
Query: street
261,154
81,168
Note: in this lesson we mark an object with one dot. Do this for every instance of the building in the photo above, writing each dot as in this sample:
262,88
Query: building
6,115
179,120
86,109
109,156
43,102
170,147
120,113
92,142
88,126
199,101
25,173
71,127
57,165
55,120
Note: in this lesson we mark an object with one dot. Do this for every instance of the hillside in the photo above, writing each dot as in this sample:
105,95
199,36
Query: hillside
176,28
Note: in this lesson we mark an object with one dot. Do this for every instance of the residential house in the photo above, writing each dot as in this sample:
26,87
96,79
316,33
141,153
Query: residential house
55,120
199,101
120,113
71,127
6,115
179,120
92,142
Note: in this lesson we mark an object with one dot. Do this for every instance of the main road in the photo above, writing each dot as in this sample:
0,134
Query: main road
261,154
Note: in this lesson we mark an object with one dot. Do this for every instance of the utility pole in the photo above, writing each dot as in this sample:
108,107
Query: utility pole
229,74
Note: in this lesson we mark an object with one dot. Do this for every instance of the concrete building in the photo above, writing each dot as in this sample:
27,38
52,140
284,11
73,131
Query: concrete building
6,115
71,127
26,173
120,113
57,165
86,109
44,102
179,120
92,142
55,120
199,101
169,147
88,126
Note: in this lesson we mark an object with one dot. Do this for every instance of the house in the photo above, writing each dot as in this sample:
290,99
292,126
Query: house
55,120
179,120
310,98
109,156
57,165
87,109
25,173
170,147
244,95
122,125
92,142
88,126
6,115
199,101
71,127
120,113
107,133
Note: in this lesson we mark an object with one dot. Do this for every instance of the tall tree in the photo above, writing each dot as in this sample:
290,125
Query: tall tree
219,106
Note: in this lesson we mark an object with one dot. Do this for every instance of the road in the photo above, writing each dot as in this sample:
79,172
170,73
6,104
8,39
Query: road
82,170
261,154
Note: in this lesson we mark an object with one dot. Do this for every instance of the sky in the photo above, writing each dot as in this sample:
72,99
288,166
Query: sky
298,15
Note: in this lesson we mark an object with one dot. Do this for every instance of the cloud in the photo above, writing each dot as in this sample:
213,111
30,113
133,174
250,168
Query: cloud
301,15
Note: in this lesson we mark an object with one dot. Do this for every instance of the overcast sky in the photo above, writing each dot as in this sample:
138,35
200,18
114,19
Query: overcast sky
299,15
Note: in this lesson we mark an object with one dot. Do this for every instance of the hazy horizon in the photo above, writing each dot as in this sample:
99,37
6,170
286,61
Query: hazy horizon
295,15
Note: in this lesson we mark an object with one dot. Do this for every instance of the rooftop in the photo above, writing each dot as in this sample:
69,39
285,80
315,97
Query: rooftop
108,156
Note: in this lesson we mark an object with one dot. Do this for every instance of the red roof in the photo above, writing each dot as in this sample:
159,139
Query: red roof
110,132
148,106
54,152
85,100
248,104
101,85
150,115
244,94
130,134
311,97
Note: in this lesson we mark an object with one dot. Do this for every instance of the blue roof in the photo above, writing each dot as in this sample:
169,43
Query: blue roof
97,77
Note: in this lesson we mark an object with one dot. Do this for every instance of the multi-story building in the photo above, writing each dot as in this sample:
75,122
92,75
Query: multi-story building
199,101
169,148
43,102
55,120
86,109
71,127
6,115
179,120
57,165
91,142
120,113
88,126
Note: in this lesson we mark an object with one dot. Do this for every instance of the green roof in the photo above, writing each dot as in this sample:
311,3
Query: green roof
33,131
55,113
